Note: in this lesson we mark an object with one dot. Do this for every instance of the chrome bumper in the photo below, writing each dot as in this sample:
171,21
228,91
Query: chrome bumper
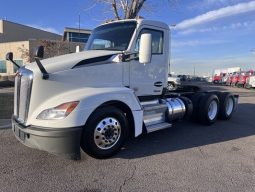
63,142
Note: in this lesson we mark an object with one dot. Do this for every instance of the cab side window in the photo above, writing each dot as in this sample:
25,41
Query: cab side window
157,41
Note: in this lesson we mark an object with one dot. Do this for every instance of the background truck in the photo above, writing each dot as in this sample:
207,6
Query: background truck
243,78
117,87
221,76
250,81
218,79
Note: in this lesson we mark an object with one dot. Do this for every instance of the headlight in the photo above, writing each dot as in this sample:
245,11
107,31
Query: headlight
59,112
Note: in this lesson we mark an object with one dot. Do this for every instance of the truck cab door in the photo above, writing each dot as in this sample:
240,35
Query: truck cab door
149,79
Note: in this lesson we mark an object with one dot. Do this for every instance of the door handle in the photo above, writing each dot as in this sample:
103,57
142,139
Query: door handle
158,84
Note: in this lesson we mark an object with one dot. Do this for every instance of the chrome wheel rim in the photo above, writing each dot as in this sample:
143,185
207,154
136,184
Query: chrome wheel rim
170,86
107,133
212,110
229,106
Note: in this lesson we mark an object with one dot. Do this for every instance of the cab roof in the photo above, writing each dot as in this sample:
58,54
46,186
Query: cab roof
142,22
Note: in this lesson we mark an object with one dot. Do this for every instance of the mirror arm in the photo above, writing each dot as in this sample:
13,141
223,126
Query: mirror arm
14,63
129,56
45,74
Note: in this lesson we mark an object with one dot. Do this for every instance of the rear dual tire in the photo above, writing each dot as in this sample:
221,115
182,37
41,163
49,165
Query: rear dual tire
207,107
227,106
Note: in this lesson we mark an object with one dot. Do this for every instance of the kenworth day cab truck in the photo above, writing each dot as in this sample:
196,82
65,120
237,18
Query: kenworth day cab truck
95,98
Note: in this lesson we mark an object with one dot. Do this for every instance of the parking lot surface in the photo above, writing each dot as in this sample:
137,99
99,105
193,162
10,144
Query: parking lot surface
186,157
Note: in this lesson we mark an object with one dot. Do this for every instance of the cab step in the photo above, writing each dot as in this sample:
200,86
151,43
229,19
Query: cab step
156,127
154,113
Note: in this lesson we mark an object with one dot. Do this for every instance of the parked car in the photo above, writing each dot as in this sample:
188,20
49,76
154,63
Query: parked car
173,82
183,77
209,79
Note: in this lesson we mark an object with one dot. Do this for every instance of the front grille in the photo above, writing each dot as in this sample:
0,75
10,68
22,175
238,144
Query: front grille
23,87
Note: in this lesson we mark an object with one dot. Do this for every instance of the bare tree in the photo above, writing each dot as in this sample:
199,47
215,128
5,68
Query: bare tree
130,9
51,49
124,9
26,54
54,48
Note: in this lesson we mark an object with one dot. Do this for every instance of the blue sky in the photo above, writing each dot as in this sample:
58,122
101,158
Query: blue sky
209,34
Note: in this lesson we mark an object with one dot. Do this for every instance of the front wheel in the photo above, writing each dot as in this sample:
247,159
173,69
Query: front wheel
105,132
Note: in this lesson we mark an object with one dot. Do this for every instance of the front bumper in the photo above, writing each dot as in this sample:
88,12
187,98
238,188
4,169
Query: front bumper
63,142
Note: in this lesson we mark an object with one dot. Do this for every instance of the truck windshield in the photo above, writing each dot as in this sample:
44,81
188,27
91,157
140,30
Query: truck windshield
114,36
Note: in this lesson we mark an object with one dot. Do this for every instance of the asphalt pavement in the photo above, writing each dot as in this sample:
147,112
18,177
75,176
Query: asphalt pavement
186,157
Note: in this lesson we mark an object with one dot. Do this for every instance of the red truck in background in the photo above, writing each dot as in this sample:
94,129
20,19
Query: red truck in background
224,76
235,79
229,79
243,78
218,78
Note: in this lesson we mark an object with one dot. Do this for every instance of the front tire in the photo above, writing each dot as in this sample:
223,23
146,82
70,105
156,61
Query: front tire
105,132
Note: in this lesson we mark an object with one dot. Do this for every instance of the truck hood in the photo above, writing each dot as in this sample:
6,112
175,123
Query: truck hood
64,62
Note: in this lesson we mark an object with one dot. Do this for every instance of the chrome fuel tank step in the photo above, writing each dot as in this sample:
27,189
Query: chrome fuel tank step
158,114
154,113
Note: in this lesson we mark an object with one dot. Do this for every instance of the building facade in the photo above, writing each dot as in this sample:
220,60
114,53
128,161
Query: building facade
23,40
76,35
12,32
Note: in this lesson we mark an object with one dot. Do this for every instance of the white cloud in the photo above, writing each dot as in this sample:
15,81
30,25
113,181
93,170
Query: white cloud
217,14
238,25
215,1
194,43
221,2
49,29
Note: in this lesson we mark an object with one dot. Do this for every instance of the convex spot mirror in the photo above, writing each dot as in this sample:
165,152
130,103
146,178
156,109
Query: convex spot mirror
9,56
39,52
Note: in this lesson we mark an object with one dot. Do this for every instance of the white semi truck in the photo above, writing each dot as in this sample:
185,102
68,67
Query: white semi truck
250,81
114,88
